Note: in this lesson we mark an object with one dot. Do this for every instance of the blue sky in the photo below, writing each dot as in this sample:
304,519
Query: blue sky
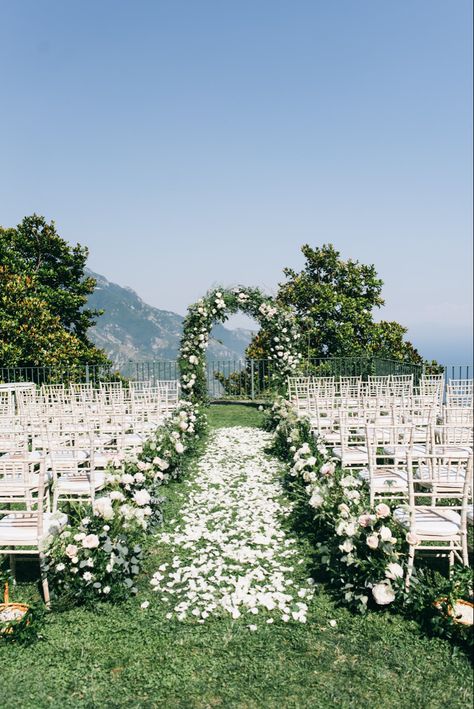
189,143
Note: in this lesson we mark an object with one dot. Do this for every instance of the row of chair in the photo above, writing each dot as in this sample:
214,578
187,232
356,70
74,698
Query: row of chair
414,451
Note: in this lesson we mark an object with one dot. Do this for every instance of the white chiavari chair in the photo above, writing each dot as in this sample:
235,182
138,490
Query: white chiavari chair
25,521
387,447
436,513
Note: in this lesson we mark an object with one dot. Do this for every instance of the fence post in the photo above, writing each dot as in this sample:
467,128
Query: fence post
252,380
87,374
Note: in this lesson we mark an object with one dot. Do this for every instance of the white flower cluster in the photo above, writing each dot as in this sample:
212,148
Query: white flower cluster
351,528
212,308
231,554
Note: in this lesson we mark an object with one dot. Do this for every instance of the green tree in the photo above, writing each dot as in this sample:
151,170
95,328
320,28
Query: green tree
334,301
30,334
51,273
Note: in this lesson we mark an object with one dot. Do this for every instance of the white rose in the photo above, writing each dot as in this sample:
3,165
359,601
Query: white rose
91,541
343,510
103,508
328,468
347,546
351,529
71,550
385,534
179,448
141,497
373,541
383,593
394,571
316,500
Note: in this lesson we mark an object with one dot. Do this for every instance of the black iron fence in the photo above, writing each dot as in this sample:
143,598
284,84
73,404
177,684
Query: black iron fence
226,379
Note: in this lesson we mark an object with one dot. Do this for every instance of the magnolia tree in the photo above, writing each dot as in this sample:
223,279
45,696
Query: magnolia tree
216,307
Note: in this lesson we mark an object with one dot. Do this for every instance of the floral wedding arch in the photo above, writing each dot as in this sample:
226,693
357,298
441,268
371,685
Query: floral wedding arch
215,307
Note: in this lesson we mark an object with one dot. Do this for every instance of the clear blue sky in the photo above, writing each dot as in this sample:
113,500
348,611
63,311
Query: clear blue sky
193,142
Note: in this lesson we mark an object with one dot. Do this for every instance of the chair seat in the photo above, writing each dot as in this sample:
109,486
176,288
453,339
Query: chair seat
452,451
387,479
103,458
79,484
445,474
67,455
23,530
354,454
401,450
431,523
132,439
327,435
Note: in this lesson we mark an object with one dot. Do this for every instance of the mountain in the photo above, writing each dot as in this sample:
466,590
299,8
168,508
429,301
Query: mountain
130,329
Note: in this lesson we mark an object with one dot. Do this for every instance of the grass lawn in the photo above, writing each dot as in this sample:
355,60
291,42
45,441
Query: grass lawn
123,656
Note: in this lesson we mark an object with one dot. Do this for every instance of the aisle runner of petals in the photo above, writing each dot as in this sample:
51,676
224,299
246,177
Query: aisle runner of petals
231,554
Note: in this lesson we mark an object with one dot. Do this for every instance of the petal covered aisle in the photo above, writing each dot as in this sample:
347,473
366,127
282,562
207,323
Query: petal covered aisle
230,553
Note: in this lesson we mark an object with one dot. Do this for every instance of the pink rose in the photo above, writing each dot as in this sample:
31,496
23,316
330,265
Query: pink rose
412,538
382,510
71,550
373,541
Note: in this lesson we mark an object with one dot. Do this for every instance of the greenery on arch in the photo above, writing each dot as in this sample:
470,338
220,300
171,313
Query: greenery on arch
215,307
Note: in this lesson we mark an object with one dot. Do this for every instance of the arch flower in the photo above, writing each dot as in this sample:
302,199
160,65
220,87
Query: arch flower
215,307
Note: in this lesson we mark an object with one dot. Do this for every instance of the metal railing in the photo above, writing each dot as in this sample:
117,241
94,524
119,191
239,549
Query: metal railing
226,379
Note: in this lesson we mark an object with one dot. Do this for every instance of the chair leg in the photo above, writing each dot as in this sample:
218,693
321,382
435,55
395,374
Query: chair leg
411,563
44,581
13,566
451,557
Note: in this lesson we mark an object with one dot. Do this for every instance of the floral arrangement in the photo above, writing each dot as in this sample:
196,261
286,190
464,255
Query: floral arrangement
361,550
98,555
215,307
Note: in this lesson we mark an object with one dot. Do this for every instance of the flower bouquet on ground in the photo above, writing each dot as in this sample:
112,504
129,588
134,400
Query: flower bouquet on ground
96,558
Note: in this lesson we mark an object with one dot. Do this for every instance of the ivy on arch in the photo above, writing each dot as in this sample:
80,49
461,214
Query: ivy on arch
215,307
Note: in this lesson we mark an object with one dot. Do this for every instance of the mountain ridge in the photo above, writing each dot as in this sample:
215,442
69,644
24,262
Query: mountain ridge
131,329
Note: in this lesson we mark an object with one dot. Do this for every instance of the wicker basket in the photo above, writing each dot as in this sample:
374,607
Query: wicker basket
18,610
462,613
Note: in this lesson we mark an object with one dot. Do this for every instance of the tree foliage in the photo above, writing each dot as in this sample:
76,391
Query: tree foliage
43,294
334,301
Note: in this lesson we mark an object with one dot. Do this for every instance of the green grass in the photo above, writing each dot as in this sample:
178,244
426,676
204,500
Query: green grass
223,415
123,656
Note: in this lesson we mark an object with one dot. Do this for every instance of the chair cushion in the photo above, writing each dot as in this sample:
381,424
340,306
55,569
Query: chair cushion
431,523
80,484
355,454
402,450
22,529
444,474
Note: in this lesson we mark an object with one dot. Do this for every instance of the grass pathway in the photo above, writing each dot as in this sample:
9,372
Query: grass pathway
123,656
